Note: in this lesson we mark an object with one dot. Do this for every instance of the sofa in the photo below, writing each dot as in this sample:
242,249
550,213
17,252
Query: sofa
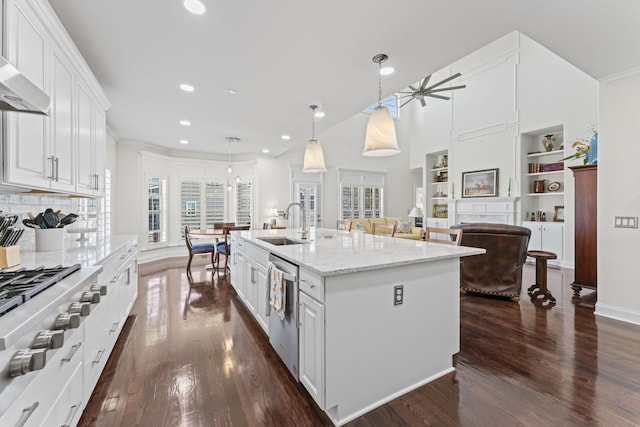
498,271
404,229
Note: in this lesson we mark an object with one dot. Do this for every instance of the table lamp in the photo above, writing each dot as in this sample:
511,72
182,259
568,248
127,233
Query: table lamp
273,213
416,213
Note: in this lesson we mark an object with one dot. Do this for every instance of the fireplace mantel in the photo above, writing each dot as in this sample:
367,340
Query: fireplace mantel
497,210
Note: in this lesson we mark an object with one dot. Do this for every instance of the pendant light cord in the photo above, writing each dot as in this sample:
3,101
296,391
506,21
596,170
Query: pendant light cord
313,121
379,84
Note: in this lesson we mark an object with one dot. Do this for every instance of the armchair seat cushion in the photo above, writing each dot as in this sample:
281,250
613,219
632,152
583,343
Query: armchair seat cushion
202,247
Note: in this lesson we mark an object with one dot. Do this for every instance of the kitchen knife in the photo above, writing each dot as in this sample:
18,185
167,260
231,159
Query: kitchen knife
16,236
4,238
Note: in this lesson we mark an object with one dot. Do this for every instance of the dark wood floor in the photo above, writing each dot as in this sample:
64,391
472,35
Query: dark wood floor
193,356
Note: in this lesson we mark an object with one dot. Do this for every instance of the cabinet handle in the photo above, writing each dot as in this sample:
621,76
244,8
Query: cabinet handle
97,178
57,162
53,168
114,327
72,414
97,360
26,413
128,281
73,351
311,285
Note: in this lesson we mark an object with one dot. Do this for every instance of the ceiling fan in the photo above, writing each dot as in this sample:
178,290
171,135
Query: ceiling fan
422,91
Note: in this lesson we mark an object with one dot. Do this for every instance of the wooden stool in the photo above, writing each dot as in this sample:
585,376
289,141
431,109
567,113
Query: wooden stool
540,287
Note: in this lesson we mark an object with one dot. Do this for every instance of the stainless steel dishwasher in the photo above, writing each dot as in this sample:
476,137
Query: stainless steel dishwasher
283,334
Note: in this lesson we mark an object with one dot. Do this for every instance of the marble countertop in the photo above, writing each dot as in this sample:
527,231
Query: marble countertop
330,252
89,253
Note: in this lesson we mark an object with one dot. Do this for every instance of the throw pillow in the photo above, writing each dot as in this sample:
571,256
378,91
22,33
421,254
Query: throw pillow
360,226
403,226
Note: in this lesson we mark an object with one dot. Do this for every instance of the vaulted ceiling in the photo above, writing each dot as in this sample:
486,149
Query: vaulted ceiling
280,56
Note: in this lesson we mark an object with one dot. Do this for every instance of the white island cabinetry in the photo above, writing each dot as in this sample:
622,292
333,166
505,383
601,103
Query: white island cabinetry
349,323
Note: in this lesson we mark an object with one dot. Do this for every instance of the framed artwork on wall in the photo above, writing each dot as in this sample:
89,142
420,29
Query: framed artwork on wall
482,183
558,213
441,210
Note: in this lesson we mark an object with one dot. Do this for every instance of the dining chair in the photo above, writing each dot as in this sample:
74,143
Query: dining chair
344,225
384,229
197,249
453,233
224,247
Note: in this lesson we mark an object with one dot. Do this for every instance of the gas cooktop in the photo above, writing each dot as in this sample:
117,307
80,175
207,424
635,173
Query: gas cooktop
17,287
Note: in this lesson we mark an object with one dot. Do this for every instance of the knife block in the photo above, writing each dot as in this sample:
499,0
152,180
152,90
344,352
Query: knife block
9,256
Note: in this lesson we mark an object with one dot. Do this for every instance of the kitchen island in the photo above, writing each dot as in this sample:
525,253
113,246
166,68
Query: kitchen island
378,316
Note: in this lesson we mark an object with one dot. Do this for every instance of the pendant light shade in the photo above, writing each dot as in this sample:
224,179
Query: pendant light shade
313,155
380,139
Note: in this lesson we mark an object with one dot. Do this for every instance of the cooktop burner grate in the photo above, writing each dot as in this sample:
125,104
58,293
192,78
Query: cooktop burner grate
16,287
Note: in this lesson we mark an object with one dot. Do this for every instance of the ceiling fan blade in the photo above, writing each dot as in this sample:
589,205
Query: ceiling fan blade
424,104
408,101
448,79
406,92
412,88
448,88
424,82
410,95
438,96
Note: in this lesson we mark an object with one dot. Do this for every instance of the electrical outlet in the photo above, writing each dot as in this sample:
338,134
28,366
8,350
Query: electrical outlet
625,222
398,294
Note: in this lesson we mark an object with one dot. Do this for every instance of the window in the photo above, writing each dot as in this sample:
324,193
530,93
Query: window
307,190
244,203
157,226
308,197
391,102
198,208
361,194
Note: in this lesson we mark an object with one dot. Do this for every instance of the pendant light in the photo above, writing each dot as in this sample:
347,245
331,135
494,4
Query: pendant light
380,139
313,156
229,140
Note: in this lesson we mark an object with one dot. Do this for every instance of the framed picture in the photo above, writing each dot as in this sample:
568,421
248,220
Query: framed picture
190,208
558,213
441,211
482,183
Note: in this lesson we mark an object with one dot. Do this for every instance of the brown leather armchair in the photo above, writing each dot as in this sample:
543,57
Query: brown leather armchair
499,270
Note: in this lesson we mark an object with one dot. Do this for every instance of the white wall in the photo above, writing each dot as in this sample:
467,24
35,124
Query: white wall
514,86
618,195
342,146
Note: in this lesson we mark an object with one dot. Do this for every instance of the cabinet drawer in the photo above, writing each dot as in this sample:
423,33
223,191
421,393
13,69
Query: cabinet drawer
258,254
312,284
237,242
67,409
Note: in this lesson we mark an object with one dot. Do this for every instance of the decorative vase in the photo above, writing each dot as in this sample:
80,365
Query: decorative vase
592,155
548,142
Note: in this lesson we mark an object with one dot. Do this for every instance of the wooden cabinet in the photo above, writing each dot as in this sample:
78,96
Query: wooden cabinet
546,236
586,227
311,335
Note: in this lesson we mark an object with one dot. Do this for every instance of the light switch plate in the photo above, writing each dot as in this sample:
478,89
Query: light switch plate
625,222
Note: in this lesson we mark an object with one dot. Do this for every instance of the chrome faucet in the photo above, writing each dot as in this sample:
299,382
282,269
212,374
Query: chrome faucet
305,232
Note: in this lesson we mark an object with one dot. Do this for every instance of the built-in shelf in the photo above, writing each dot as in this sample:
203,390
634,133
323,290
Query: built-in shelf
439,169
546,173
439,183
557,193
440,198
545,153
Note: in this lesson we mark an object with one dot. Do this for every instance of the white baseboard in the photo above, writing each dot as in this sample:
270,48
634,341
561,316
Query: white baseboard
618,313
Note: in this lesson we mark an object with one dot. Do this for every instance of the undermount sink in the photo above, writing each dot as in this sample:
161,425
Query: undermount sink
281,241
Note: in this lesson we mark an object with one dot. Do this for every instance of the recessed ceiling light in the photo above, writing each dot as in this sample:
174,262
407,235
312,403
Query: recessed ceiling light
286,137
387,71
184,141
194,6
230,91
187,88
185,122
265,150
319,114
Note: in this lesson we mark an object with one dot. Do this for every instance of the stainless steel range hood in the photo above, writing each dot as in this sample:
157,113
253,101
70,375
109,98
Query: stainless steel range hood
18,93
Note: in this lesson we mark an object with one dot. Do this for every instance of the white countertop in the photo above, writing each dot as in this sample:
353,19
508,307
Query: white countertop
330,252
89,253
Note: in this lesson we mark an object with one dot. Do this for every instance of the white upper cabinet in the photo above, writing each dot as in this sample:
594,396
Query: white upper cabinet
65,151
27,47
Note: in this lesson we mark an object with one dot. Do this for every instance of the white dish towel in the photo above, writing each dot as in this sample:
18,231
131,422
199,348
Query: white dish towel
277,291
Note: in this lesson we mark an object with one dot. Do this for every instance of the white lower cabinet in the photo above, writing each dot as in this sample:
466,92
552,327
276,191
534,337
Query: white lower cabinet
255,280
311,334
546,236
67,409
